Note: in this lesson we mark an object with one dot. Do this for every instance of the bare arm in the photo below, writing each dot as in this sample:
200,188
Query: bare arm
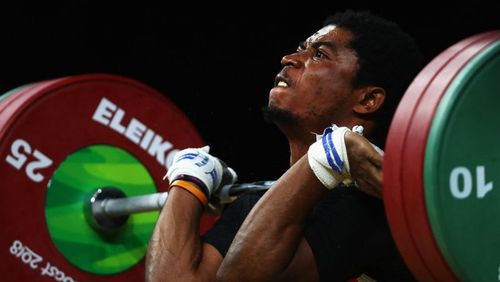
267,243
175,251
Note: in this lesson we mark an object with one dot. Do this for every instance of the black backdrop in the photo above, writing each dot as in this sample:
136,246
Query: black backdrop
216,62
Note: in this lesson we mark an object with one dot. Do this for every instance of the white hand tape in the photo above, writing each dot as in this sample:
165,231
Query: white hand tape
328,157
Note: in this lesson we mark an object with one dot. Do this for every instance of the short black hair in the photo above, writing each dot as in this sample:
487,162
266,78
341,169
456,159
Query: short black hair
388,57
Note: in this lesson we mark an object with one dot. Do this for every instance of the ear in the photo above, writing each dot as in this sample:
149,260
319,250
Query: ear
370,99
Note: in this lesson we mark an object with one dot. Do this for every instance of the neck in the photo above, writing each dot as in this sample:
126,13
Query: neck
299,146
297,151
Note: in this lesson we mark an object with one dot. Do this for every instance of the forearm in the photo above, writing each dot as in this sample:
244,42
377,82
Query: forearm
174,251
268,239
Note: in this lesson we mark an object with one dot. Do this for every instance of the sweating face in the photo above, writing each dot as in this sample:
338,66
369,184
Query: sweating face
313,89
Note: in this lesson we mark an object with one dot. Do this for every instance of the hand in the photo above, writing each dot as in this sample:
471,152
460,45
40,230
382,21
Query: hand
215,204
365,162
341,155
198,166
328,159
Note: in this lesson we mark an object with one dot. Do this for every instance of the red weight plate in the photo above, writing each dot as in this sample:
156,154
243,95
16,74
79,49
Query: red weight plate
403,168
394,149
59,117
414,199
459,169
7,99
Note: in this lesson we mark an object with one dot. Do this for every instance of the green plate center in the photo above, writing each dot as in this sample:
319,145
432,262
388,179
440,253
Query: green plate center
75,180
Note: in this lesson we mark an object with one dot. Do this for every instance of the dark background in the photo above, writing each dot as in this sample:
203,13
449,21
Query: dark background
216,62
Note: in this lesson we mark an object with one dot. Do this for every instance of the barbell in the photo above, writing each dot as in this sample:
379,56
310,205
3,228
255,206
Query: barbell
82,159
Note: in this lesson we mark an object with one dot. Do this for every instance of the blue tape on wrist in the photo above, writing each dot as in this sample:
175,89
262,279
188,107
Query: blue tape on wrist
336,162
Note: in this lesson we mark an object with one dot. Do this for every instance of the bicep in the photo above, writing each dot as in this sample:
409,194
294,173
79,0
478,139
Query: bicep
303,265
210,262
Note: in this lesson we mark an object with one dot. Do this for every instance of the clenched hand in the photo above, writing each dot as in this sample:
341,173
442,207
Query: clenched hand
365,164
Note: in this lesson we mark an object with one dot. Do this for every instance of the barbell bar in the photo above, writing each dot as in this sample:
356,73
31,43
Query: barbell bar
110,208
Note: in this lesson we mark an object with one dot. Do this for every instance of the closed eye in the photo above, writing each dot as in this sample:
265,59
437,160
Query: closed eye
318,53
323,49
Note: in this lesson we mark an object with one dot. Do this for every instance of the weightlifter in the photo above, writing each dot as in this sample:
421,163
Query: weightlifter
324,219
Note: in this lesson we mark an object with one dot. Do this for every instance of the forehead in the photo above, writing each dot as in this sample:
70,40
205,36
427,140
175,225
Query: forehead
330,33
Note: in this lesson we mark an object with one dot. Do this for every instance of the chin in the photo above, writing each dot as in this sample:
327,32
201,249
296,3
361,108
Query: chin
275,95
275,114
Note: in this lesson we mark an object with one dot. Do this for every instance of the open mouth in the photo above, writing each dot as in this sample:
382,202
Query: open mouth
281,81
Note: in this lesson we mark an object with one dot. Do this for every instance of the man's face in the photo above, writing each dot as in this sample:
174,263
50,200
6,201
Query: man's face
313,89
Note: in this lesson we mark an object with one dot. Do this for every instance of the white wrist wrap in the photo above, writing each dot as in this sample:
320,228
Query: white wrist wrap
196,164
328,157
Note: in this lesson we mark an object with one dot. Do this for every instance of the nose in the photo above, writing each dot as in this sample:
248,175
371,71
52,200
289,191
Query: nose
291,60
